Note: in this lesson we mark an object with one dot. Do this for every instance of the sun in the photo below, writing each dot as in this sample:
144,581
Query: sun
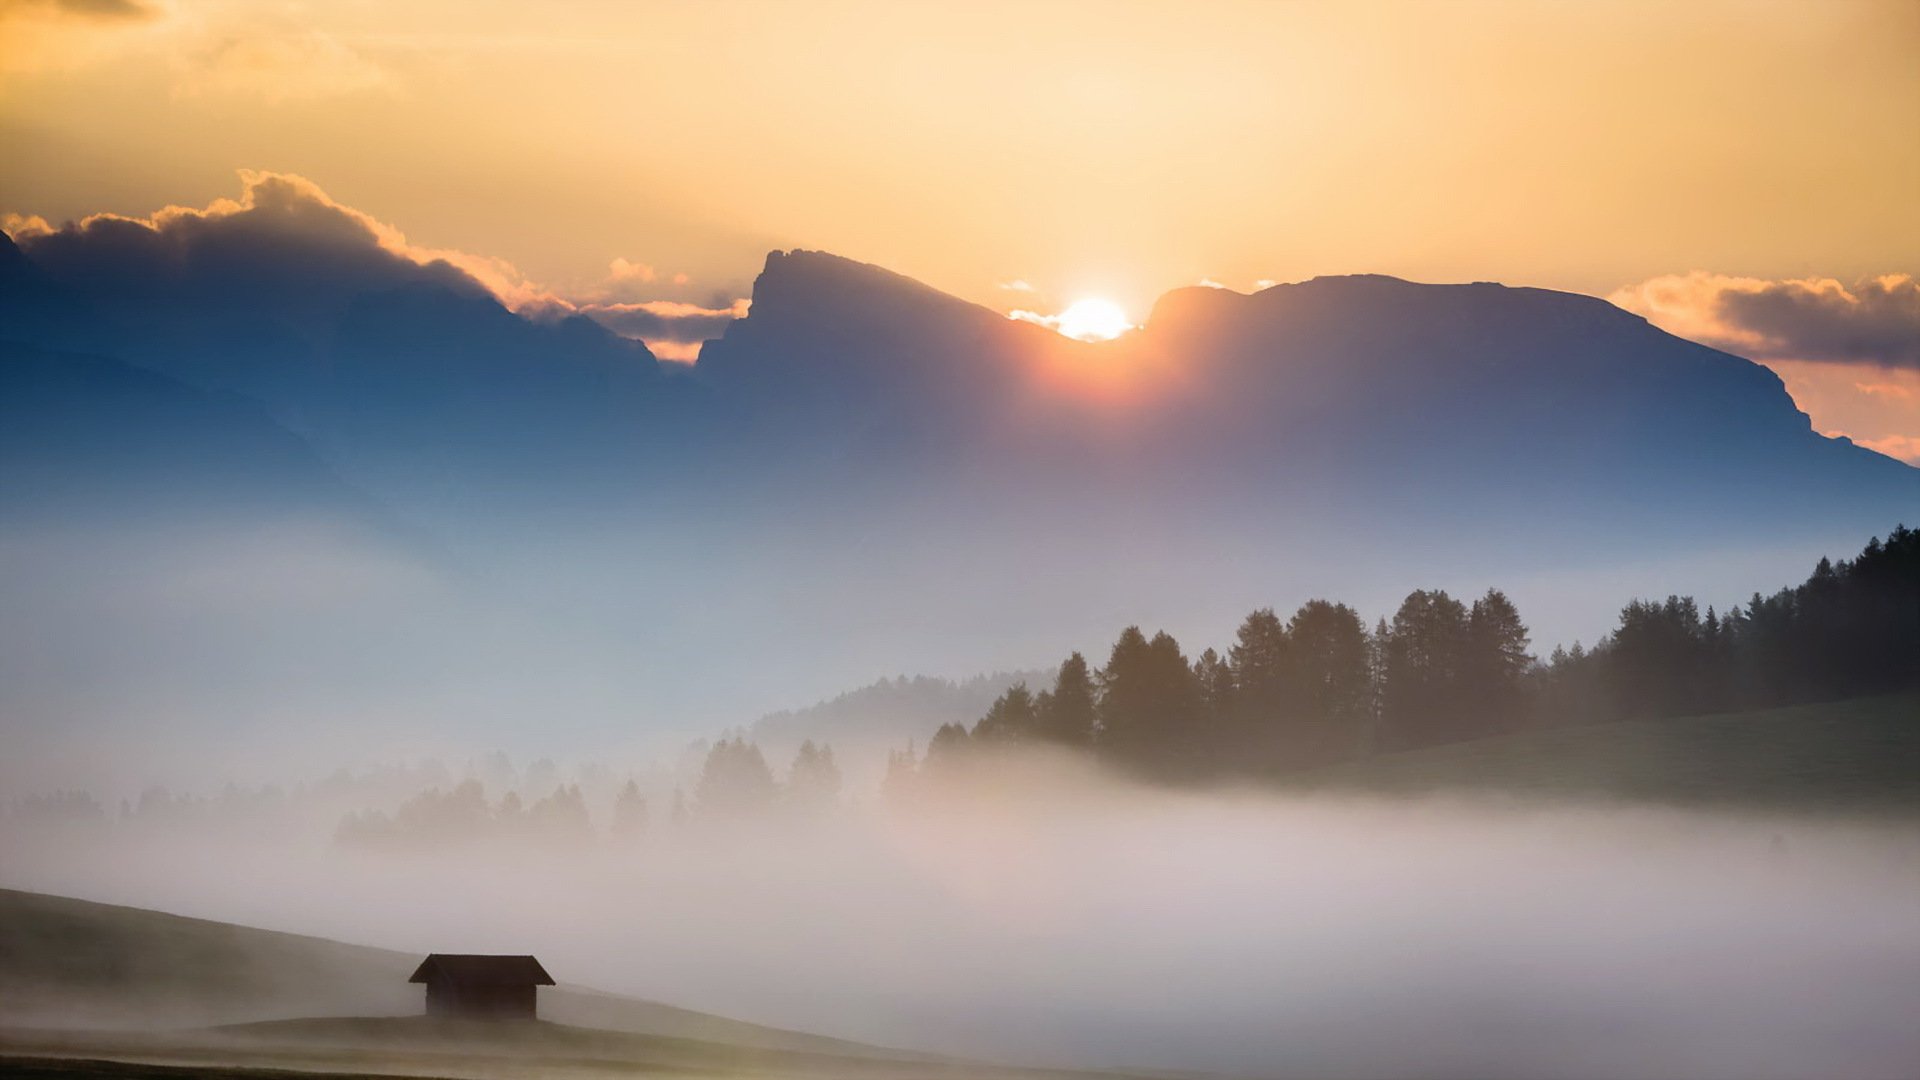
1092,319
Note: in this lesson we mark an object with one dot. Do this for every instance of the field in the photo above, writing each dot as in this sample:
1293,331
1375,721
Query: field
1850,757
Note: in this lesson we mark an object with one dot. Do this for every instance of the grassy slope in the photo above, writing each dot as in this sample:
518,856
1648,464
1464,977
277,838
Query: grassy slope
425,1046
1850,756
65,961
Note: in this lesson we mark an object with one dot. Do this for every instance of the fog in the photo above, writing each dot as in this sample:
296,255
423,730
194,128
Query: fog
198,649
1057,915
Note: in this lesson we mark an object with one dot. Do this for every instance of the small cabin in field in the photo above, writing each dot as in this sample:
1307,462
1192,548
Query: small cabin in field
483,987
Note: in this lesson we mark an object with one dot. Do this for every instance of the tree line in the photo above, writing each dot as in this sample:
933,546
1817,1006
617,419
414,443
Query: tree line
1321,687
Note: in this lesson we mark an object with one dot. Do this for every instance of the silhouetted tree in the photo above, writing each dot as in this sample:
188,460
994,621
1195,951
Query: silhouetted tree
1148,704
948,753
1426,651
1069,712
1497,663
1258,661
1329,683
1656,656
1012,717
1213,678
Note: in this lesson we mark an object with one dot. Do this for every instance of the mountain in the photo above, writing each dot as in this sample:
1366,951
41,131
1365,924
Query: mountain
89,436
1450,399
405,375
866,475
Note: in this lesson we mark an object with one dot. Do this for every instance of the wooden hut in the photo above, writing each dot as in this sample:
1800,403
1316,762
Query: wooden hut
488,987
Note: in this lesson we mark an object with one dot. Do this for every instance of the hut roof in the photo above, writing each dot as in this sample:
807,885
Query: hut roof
472,968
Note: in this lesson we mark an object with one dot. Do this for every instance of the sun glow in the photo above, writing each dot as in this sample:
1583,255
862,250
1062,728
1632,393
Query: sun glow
1089,318
1093,319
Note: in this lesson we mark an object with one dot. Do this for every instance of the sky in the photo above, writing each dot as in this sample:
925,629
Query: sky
1679,159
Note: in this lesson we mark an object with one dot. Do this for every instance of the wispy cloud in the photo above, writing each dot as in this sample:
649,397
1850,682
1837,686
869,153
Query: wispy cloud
83,9
667,321
278,66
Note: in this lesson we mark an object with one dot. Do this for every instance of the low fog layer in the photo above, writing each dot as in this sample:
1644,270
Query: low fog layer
1105,923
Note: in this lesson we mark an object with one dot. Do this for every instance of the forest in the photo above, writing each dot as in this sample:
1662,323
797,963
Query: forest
1321,687
1287,696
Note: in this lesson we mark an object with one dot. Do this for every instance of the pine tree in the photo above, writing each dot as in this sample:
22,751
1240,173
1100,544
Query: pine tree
1421,692
1258,659
1069,714
1012,718
1125,695
1214,679
1329,681
1497,664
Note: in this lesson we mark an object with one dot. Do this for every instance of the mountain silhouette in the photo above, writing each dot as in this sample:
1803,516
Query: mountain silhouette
895,465
1359,391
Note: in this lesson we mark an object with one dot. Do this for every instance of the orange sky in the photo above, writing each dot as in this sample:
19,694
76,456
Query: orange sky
1111,149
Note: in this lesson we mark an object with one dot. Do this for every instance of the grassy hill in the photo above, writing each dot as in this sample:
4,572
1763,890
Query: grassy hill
1859,756
66,962
429,1046
99,990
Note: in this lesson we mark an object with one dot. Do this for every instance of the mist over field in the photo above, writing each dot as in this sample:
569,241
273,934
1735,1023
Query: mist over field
1064,916
847,540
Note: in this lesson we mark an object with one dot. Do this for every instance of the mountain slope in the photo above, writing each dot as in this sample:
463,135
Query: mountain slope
89,435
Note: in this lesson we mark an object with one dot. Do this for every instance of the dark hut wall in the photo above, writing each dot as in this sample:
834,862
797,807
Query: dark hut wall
447,997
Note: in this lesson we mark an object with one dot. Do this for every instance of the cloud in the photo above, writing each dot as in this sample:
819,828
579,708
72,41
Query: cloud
1876,407
277,67
40,36
1017,285
272,207
82,9
1904,447
666,320
1819,320
624,270
284,229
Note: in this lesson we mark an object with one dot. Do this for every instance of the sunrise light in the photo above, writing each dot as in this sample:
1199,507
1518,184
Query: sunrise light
1089,318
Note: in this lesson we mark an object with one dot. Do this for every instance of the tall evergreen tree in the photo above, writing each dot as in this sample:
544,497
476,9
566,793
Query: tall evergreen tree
1213,678
1329,679
1126,698
1012,718
1425,652
1070,712
1497,663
